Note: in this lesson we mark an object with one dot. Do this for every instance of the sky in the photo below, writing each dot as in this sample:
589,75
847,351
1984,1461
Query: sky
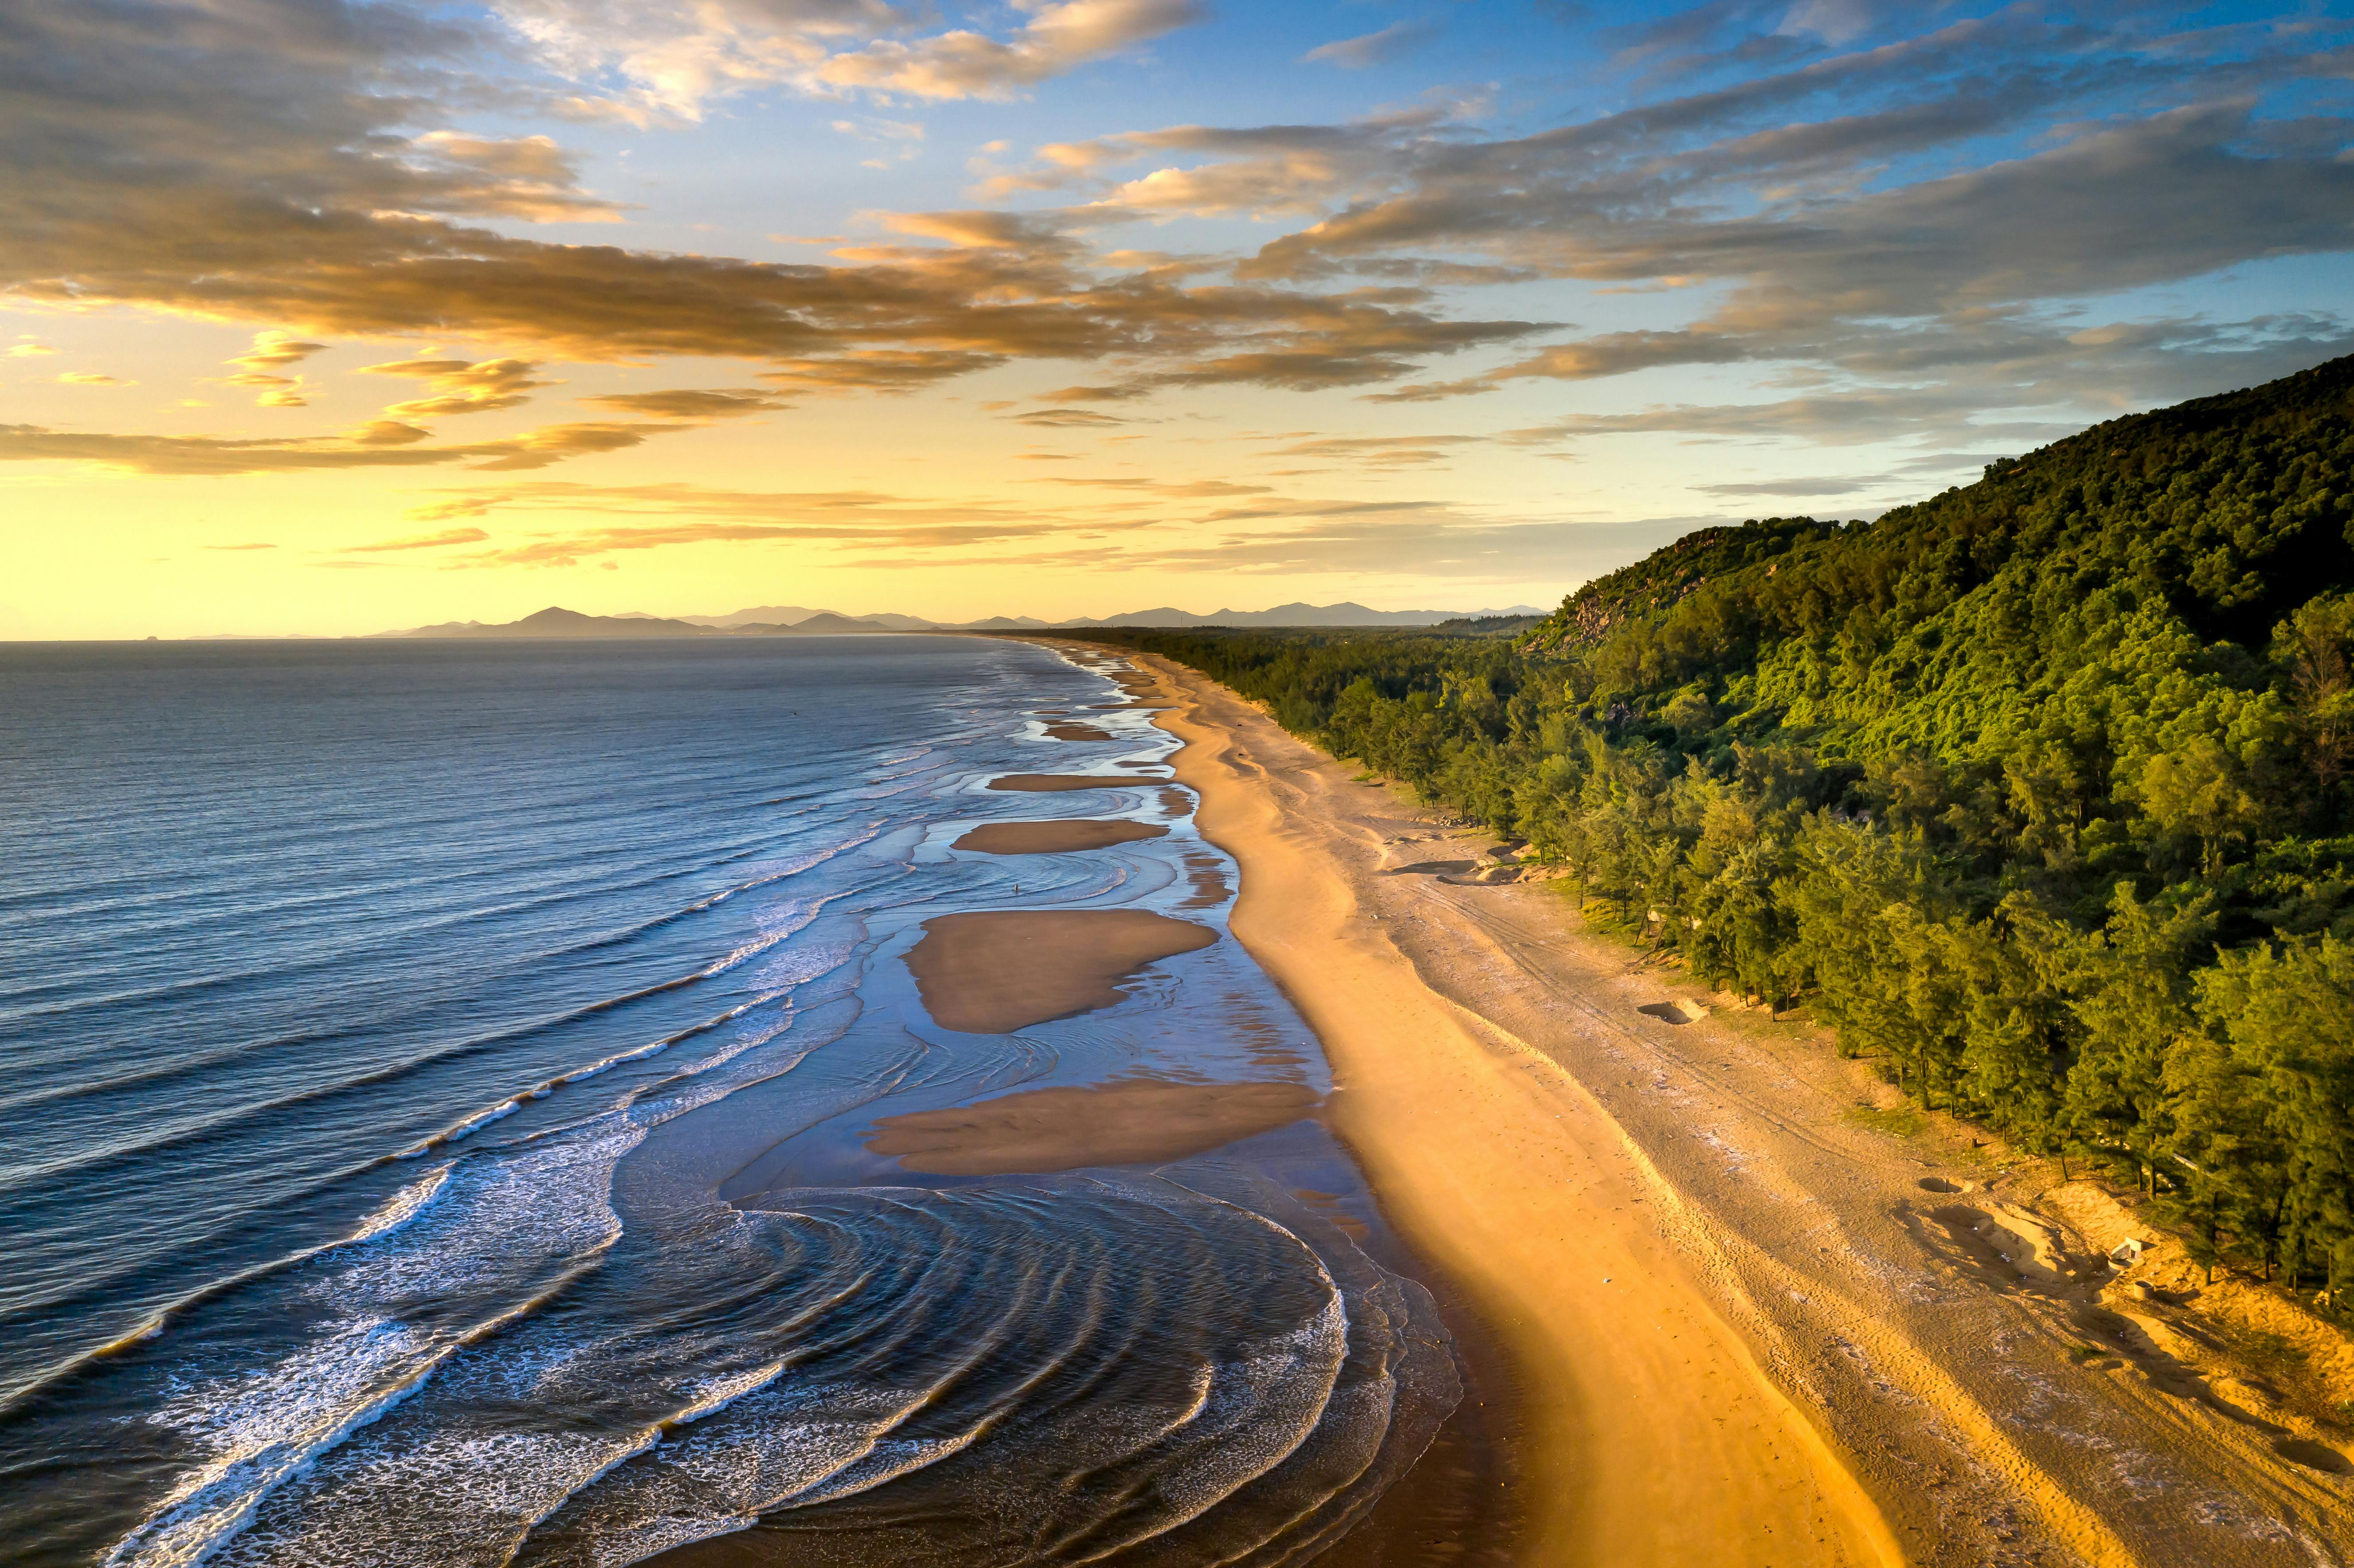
325,317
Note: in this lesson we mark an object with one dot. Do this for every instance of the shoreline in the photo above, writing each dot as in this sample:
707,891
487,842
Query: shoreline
1519,1190
1930,1318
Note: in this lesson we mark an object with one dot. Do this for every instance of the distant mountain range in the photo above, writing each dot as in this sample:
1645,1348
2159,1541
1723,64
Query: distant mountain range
1293,614
795,615
555,621
799,620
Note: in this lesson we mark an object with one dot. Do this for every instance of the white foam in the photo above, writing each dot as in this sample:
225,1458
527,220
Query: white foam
652,1537
455,1499
402,1207
1258,1411
271,1426
717,1395
778,873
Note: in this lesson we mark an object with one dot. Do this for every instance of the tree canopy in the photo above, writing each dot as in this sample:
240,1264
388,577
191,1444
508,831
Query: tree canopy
2039,791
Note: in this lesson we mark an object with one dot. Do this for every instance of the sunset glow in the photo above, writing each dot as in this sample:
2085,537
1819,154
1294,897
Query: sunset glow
329,318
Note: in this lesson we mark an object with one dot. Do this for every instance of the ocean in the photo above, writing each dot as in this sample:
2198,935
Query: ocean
440,1087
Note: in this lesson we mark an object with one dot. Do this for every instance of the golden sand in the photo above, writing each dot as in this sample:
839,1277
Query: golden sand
1649,1434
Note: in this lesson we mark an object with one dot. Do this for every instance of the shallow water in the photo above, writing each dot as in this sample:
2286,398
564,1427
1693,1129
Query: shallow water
433,1129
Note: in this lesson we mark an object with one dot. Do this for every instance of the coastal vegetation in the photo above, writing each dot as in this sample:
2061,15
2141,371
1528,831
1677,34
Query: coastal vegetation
2039,792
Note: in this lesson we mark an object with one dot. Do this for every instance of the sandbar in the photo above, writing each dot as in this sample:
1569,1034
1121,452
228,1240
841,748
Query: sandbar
1055,837
1128,1122
1049,783
1070,729
993,970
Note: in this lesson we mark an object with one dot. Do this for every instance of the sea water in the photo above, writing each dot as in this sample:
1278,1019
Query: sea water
432,1130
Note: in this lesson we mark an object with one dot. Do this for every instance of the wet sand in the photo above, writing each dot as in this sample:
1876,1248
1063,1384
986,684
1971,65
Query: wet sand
1051,783
1071,730
994,970
1056,838
1648,1432
1131,1122
1207,877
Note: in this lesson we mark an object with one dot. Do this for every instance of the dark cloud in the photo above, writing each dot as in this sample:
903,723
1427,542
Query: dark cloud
1815,249
1799,488
1830,418
1864,190
1379,451
275,162
1905,216
2175,195
1747,35
1349,340
1613,353
885,370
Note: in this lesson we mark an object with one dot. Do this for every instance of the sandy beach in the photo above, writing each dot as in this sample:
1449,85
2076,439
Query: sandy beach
1750,1309
1649,1434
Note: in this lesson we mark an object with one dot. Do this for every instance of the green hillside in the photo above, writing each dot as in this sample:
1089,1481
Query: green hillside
2038,790
1652,589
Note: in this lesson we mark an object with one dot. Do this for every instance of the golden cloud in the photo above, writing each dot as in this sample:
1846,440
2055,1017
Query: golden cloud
381,445
722,403
460,387
448,537
964,64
